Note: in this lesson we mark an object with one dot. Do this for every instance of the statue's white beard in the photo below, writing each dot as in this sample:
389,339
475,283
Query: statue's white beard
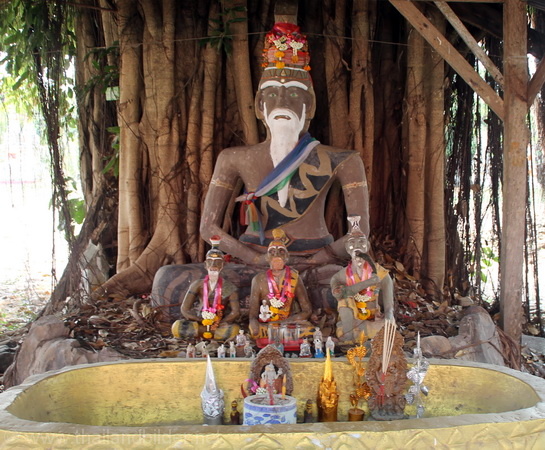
284,136
213,276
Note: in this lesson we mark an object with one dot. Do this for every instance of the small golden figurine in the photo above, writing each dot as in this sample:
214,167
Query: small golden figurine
328,397
235,415
355,357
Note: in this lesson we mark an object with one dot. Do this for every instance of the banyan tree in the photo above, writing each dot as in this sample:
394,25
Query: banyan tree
434,96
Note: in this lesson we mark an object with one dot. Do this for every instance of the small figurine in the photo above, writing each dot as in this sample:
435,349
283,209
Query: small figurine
328,396
232,350
248,350
190,351
278,290
235,415
318,348
317,335
268,380
416,374
330,346
221,351
201,350
305,349
240,343
210,306
265,313
360,288
308,417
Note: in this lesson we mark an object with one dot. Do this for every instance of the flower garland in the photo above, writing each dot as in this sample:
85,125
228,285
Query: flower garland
285,42
211,314
276,298
361,298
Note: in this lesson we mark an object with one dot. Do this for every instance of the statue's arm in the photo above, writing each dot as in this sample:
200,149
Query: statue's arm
193,293
235,308
215,204
340,289
301,295
351,175
387,293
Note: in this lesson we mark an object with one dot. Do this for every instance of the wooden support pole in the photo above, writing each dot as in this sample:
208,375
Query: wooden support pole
514,166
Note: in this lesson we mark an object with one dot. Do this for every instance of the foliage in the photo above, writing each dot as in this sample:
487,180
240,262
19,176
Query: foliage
37,44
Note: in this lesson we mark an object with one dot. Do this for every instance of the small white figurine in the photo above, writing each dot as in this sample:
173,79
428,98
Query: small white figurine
190,351
330,346
265,313
201,349
221,351
241,339
232,350
304,350
248,350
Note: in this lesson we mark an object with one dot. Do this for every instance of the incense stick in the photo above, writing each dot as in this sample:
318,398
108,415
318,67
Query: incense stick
388,344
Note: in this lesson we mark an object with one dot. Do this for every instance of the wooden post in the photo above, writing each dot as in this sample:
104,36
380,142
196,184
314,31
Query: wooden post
514,166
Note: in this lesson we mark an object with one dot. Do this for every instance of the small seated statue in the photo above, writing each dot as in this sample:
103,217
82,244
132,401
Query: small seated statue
206,302
278,295
358,289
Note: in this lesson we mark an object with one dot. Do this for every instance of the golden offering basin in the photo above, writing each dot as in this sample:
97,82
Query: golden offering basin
156,404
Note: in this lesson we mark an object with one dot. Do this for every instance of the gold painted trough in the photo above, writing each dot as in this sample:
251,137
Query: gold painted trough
156,404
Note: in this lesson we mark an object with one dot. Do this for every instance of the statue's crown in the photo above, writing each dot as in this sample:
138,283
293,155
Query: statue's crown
215,252
285,53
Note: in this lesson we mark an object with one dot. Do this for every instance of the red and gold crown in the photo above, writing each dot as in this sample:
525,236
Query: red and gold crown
285,53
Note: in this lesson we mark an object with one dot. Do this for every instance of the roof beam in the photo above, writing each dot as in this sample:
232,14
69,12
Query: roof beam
470,41
449,53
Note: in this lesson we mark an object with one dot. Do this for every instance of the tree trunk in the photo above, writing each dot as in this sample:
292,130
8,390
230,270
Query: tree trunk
435,173
416,152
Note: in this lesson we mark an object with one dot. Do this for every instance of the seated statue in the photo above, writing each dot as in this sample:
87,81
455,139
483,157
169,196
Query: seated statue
281,290
358,289
286,180
210,305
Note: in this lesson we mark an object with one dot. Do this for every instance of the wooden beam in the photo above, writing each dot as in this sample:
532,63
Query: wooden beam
450,54
470,41
536,83
515,143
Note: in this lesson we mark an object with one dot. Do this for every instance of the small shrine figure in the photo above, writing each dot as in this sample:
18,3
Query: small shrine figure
210,306
308,417
265,313
359,288
386,374
232,350
318,348
212,397
240,343
201,350
304,351
248,350
328,396
221,351
268,380
190,351
416,374
235,414
280,290
317,335
330,346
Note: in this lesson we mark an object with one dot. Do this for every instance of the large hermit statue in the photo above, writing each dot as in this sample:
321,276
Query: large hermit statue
358,289
286,178
278,295
210,305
